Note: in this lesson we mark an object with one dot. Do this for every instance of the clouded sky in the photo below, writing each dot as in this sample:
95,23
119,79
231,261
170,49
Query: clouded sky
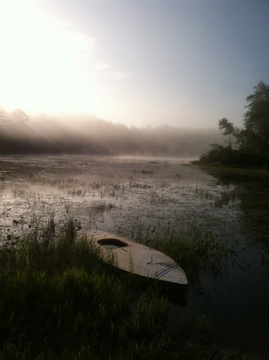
140,62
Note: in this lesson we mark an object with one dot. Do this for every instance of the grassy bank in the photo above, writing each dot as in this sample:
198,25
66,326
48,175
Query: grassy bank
234,171
58,300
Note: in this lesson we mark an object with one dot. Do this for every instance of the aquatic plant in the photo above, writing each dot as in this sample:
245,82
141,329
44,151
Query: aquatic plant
59,301
197,252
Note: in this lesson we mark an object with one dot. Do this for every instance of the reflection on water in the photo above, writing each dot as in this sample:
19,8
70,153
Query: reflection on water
148,198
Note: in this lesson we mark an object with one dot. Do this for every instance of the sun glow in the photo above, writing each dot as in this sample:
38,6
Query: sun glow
37,71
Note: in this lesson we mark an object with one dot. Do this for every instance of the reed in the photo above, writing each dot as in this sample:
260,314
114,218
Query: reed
197,252
58,300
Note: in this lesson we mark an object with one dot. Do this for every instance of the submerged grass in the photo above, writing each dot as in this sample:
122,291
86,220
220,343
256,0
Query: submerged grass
58,300
197,252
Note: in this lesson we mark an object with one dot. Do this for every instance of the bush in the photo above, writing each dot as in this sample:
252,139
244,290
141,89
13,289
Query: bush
225,155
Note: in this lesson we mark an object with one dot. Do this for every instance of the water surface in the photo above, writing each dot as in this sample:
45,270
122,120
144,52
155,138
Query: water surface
147,198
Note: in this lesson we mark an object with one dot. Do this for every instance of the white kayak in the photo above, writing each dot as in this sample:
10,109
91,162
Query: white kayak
137,258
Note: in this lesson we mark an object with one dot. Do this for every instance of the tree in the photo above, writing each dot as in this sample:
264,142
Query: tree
256,119
3,116
252,140
230,129
19,116
254,137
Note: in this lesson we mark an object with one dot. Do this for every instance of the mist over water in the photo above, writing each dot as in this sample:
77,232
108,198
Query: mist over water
138,182
77,134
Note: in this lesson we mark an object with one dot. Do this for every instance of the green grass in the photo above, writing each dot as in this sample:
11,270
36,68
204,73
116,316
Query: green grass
58,300
197,253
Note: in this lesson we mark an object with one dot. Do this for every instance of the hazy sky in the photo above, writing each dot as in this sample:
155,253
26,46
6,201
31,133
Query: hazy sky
140,62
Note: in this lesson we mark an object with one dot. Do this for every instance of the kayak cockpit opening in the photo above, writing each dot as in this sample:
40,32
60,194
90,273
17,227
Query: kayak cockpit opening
111,243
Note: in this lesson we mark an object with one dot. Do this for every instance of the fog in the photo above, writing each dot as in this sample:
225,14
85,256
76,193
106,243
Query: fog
77,134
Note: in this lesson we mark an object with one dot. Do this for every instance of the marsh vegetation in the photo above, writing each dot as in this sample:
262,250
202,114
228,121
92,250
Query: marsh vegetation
59,300
211,225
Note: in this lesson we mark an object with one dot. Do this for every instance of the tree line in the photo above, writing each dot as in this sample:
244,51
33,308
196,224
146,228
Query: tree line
22,134
249,145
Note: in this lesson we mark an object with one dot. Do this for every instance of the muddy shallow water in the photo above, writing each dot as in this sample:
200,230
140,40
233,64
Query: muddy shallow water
145,198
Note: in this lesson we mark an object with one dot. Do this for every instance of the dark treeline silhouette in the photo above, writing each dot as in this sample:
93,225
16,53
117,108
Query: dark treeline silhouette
247,146
20,134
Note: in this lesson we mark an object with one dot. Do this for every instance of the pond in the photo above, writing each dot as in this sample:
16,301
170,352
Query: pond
145,198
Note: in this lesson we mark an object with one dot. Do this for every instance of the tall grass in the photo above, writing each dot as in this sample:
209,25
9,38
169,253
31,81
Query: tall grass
58,300
197,252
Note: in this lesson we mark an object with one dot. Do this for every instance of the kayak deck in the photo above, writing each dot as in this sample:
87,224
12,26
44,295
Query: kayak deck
137,258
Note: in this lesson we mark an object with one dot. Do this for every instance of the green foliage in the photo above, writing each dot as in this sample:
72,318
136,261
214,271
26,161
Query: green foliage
230,129
225,155
58,300
197,253
256,118
217,154
257,114
149,317
252,140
